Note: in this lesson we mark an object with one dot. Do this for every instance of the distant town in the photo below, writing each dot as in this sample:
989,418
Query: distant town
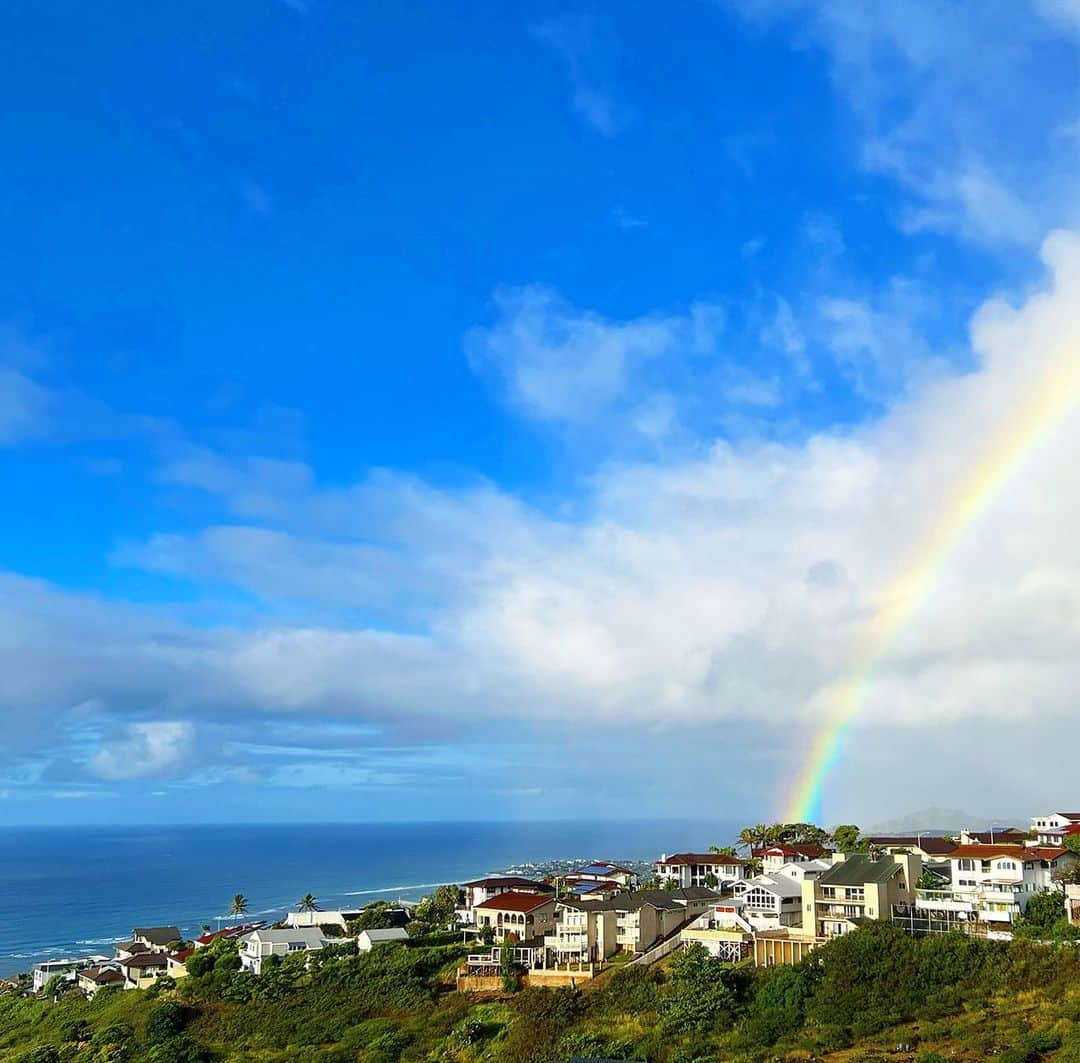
778,893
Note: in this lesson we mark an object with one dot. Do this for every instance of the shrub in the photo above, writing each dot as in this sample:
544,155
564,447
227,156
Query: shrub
631,990
705,993
116,1033
41,1054
165,1021
779,1005
75,1030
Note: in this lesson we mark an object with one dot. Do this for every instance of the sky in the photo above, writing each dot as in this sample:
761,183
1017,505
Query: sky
497,411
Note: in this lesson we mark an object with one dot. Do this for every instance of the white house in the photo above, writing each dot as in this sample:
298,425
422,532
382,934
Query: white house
366,940
605,871
67,969
258,946
770,901
484,889
994,883
802,870
699,869
774,857
1052,827
723,931
318,917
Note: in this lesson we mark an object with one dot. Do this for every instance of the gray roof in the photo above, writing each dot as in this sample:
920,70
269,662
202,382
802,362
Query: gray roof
310,936
782,885
157,935
390,933
632,900
857,869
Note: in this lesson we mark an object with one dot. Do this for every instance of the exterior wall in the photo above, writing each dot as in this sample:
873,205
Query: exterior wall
771,950
829,910
537,923
1072,903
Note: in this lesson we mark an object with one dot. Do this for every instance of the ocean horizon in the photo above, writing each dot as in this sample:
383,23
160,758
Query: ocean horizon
72,891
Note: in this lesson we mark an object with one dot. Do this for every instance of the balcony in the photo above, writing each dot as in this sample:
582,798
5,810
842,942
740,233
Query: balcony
945,901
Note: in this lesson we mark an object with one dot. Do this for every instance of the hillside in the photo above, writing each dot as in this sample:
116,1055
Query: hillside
859,999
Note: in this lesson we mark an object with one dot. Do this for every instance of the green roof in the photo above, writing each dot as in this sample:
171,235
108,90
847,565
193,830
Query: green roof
857,869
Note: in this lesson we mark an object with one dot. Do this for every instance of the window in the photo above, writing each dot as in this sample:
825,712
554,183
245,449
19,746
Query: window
828,891
966,865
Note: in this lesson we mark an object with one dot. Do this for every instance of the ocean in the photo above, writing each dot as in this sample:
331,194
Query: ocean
73,891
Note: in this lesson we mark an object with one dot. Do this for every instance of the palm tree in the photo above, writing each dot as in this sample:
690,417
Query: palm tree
239,905
307,903
748,838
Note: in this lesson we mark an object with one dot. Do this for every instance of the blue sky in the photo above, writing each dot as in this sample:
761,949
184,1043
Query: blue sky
476,409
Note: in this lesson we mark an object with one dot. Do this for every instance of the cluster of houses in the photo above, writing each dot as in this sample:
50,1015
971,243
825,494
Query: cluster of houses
773,906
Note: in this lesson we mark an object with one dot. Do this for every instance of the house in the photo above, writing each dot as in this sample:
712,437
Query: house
645,917
1053,827
585,932
770,901
143,969
603,871
800,870
928,846
588,889
320,918
723,932
994,836
228,933
699,869
67,969
856,888
177,963
773,857
367,939
258,946
98,977
1072,903
591,931
522,915
1052,824
483,889
156,938
125,949
992,884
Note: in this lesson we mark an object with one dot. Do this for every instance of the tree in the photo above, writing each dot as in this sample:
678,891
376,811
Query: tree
722,850
711,881
239,905
705,992
507,969
54,986
307,903
846,837
435,912
1072,843
200,962
373,916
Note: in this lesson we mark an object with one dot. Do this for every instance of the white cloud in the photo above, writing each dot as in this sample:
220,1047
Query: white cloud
932,85
146,750
729,586
586,48
563,365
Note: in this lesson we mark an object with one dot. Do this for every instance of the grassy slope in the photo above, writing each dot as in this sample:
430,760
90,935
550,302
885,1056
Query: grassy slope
328,1023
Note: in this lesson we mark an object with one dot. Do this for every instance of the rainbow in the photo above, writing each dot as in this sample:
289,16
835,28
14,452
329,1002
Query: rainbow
1054,396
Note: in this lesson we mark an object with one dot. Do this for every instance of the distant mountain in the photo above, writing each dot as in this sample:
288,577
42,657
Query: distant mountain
944,821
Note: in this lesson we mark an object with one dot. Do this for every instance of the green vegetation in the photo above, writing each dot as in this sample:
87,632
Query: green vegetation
947,997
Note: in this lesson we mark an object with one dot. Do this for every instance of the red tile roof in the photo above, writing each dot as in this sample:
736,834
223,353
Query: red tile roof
516,902
1026,855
